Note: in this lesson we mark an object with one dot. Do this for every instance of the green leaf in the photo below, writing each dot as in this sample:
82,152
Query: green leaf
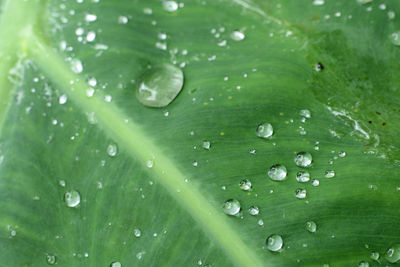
89,176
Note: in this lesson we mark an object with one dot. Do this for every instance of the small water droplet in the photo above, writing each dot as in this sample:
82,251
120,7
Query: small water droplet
391,14
89,92
303,176
92,82
305,113
392,255
342,154
76,66
90,36
112,150
195,163
264,130
395,38
364,1
311,226
62,183
301,193
318,67
254,210
51,259
303,159
90,17
107,98
63,99
72,198
245,185
206,145
170,6
329,174
231,207
137,232
116,264
159,86
150,164
277,172
260,222
374,255
139,255
122,20
363,264
315,182
237,35
274,242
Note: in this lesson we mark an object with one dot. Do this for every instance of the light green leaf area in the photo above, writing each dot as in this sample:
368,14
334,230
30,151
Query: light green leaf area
151,190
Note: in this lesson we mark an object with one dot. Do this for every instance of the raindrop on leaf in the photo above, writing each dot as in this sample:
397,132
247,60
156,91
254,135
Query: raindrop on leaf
231,207
274,242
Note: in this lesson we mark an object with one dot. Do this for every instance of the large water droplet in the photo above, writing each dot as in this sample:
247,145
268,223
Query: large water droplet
245,185
72,198
329,174
395,38
274,242
51,259
231,207
170,6
392,255
112,150
159,86
277,172
311,226
254,210
303,159
265,130
116,264
303,177
301,193
237,35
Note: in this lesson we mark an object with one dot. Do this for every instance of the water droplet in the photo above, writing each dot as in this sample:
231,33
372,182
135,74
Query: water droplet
395,38
62,99
303,159
374,255
116,264
254,210
364,1
311,226
260,222
72,198
107,98
303,177
150,164
139,255
231,207
392,255
51,259
206,145
89,92
342,154
264,130
363,264
245,185
277,172
170,6
318,2
122,20
90,17
315,182
301,193
112,150
62,183
76,66
237,35
90,36
137,232
329,174
318,67
92,82
391,14
159,86
305,113
274,242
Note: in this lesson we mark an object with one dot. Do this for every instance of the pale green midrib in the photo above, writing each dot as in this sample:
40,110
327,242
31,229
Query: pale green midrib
133,139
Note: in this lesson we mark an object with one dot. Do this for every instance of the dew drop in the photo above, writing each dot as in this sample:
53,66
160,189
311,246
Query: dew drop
254,210
122,20
150,164
159,86
170,6
112,150
206,145
62,183
277,172
237,35
231,207
264,130
303,177
305,113
245,185
137,232
72,198
51,259
116,264
62,99
90,36
90,17
92,82
342,154
301,193
76,66
274,242
315,182
374,255
311,226
395,38
260,222
303,159
329,174
392,255
363,264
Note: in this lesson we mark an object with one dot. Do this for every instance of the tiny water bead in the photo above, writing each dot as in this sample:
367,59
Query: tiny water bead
274,242
237,35
264,130
254,210
303,159
51,259
329,174
206,145
303,177
137,232
231,207
159,86
72,198
112,150
170,6
116,264
245,185
374,255
392,255
395,38
301,193
277,172
311,226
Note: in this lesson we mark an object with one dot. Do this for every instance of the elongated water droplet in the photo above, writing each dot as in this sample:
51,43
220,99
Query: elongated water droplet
395,38
116,264
245,185
112,150
303,176
206,145
392,255
329,174
374,255
277,172
159,86
137,232
231,207
254,210
72,198
301,193
237,35
303,159
264,130
51,259
311,226
274,242
170,6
